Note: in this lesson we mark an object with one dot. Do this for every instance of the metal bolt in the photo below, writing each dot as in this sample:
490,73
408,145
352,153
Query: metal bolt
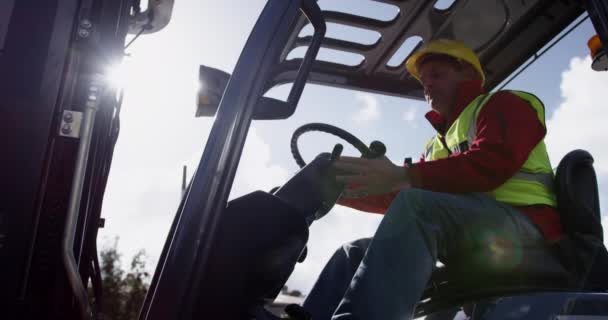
68,117
85,23
83,33
66,128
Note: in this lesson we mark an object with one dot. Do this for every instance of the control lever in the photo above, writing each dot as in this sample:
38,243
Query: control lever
330,188
337,152
312,190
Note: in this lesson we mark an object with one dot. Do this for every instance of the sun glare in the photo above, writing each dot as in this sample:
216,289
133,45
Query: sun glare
117,75
121,75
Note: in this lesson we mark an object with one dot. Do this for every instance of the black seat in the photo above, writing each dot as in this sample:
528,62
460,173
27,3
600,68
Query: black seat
578,197
476,276
575,263
578,200
582,250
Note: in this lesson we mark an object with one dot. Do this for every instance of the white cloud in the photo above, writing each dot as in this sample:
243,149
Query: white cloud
580,120
370,110
256,171
409,115
339,226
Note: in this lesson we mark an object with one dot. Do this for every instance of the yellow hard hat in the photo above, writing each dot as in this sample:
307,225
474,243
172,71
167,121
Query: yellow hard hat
452,48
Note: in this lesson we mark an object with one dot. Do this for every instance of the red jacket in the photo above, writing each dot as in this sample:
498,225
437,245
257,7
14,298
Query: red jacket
508,130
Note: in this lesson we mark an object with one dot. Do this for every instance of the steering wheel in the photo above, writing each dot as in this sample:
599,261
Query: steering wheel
375,150
313,190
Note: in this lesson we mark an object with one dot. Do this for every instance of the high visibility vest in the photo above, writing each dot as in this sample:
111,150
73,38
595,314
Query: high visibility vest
532,184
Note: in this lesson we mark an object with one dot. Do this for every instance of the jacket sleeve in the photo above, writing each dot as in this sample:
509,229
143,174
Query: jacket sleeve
373,203
508,130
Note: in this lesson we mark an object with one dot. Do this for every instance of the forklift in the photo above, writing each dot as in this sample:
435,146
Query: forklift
229,259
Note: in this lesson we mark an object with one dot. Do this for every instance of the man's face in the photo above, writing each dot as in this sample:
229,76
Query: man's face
440,79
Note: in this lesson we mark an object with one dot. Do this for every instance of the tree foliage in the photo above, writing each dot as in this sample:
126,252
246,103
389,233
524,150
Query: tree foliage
294,293
123,291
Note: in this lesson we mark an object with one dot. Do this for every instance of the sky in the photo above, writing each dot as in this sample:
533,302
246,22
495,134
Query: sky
159,133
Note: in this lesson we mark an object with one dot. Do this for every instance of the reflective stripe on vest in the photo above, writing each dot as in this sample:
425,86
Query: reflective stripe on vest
545,178
532,184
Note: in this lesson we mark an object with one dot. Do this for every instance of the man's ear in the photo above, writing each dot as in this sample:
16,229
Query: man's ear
469,72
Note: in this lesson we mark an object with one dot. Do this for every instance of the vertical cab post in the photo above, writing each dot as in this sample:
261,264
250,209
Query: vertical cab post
177,280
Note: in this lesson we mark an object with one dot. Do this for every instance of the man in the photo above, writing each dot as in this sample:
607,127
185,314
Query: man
486,175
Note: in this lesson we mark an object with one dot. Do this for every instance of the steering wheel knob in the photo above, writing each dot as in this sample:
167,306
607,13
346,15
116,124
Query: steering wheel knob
377,148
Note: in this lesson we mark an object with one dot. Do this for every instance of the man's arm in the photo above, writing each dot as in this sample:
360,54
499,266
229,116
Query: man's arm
372,203
508,130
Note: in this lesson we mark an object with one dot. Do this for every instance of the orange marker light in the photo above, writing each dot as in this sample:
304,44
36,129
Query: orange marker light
598,54
594,45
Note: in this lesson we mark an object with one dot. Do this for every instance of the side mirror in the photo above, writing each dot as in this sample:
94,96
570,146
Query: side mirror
213,83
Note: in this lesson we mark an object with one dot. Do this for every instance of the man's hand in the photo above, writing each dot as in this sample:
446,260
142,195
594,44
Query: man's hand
370,176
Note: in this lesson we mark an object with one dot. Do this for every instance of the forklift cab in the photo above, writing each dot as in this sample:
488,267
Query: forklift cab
216,263
505,35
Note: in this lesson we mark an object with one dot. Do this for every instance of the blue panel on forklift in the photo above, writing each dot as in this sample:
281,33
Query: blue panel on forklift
554,305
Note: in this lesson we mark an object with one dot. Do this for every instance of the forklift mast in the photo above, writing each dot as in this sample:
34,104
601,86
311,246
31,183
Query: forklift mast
59,123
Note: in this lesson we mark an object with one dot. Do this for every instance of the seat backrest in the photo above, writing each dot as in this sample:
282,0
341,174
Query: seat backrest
577,195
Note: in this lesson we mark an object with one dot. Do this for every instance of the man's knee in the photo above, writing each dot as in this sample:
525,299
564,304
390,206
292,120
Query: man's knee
355,250
414,206
362,243
414,195
409,202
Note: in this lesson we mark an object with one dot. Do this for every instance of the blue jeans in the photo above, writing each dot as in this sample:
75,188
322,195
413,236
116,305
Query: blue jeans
384,277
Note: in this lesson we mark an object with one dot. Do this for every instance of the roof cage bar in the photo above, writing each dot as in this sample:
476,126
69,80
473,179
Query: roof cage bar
358,21
337,44
531,25
397,3
394,39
